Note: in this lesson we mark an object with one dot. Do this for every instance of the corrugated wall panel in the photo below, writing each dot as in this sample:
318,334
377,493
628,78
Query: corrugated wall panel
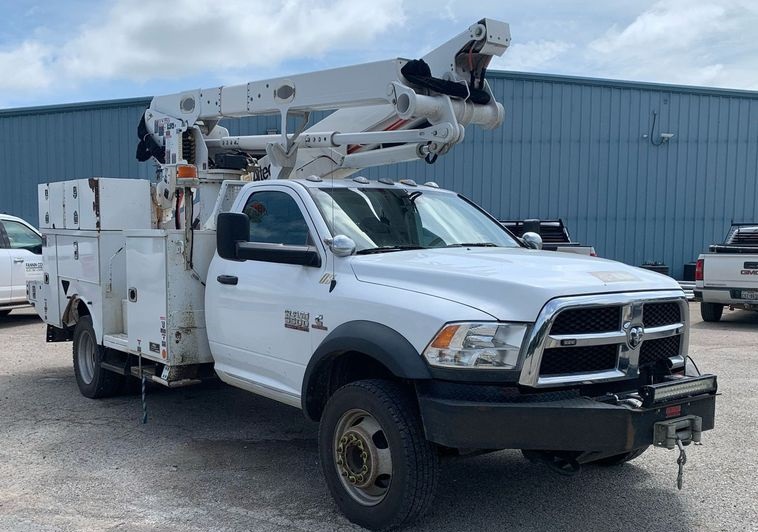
573,148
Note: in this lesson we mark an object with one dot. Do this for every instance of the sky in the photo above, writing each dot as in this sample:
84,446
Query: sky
81,50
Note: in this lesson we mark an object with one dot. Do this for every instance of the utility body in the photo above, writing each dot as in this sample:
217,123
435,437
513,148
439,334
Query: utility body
727,276
403,318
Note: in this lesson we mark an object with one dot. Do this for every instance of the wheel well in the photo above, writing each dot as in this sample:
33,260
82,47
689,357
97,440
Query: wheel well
81,308
336,371
75,309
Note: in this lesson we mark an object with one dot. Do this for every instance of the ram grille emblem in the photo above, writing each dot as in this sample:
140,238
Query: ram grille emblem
634,336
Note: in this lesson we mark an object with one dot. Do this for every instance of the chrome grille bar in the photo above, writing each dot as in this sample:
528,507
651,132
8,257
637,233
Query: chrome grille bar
629,337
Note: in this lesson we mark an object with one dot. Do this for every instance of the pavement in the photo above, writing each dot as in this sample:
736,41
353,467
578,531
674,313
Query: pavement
216,458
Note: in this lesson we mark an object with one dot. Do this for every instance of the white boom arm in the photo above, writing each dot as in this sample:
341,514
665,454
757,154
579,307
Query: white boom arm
420,111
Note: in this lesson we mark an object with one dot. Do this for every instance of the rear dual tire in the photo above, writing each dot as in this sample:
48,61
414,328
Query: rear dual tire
93,381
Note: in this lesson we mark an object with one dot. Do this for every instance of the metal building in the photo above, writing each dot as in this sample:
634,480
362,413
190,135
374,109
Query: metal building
593,152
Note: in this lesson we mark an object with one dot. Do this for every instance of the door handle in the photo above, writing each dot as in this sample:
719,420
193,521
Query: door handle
227,279
17,260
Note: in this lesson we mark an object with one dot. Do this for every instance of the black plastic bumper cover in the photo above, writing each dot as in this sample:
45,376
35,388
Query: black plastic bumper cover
556,421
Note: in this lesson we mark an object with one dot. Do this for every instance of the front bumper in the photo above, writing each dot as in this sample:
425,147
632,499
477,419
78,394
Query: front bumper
468,416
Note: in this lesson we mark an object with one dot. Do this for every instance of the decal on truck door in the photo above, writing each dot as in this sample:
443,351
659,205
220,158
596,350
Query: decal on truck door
294,319
319,323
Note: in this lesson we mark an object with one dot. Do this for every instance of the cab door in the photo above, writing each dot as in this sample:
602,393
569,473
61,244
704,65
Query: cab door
25,251
260,313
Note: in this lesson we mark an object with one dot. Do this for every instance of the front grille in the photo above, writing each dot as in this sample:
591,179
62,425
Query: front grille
653,351
659,314
583,359
580,339
587,320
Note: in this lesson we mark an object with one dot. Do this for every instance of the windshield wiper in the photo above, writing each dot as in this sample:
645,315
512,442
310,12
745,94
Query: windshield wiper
473,245
383,249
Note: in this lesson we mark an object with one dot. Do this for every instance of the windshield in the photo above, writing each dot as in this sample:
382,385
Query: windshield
386,219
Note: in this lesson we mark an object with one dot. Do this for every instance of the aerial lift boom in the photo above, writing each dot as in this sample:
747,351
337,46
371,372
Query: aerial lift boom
385,112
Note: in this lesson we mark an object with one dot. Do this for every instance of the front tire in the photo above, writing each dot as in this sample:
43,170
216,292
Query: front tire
94,382
711,311
4,313
378,466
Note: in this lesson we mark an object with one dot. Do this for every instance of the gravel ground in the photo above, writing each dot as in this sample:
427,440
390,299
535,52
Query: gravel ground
217,458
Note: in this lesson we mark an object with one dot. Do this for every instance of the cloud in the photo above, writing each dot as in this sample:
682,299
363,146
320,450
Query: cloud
25,67
691,42
126,47
532,55
139,40
683,41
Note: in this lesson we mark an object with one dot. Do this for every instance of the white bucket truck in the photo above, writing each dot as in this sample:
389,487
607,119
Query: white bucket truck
403,318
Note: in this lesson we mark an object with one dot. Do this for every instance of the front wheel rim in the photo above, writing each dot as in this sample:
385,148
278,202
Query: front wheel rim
362,457
86,356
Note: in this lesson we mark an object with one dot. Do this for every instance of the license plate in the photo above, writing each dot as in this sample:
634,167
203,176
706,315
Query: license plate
750,294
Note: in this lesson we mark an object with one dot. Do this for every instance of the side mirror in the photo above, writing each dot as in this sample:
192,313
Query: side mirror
231,227
232,232
532,240
341,245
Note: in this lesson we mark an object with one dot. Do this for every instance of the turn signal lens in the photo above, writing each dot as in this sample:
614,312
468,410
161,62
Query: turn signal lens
445,336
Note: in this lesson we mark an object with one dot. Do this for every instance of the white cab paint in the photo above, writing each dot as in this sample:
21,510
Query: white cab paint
18,265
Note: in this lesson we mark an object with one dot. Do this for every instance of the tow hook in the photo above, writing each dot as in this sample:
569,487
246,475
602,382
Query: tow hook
677,433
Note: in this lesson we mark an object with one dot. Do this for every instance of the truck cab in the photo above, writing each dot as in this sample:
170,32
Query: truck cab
20,261
333,295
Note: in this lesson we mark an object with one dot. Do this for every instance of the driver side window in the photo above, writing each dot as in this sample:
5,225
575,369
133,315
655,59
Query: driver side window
275,218
21,237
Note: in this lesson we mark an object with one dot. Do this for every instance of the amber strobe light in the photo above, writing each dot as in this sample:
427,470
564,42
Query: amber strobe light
186,171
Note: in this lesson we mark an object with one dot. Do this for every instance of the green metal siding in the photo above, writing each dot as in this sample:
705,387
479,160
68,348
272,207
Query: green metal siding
570,148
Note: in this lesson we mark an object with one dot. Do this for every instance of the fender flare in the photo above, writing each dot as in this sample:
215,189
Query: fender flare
375,340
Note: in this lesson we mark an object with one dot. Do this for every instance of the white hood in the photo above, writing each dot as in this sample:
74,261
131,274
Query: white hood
508,284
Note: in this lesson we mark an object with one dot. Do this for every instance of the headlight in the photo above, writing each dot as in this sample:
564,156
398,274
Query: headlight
477,345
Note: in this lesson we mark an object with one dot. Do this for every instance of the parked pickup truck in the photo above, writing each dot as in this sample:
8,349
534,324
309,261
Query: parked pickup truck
554,235
727,276
20,261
